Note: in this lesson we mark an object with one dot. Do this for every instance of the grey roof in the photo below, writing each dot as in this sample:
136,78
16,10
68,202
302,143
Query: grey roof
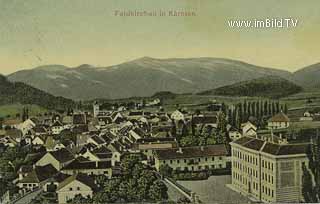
62,155
192,152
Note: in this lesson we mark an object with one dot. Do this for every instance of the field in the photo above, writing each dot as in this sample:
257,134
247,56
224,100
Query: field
14,109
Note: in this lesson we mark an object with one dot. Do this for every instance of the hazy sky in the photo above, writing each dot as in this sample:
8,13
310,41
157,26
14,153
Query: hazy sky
74,32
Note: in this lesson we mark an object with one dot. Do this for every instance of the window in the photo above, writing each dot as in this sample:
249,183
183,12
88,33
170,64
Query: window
212,166
70,189
78,188
170,161
199,160
206,159
220,158
220,166
178,161
212,158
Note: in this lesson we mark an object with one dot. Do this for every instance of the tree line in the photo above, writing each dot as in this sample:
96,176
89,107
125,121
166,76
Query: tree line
258,111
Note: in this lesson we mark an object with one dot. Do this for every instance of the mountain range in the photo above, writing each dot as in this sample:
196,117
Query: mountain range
147,76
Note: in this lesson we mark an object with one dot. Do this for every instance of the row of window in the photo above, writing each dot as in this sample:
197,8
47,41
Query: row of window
190,160
245,157
267,177
71,189
267,165
194,168
247,170
267,191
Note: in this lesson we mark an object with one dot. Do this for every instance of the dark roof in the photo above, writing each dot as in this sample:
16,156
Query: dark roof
88,146
79,119
76,164
102,152
249,142
277,149
39,129
139,131
242,140
254,144
155,139
271,148
192,152
57,123
39,174
45,172
97,139
62,155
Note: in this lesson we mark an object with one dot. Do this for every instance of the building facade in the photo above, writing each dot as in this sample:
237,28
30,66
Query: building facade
266,171
197,158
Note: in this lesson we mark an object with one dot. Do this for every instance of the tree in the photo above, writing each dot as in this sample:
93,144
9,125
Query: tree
166,170
285,109
158,191
265,108
308,191
79,199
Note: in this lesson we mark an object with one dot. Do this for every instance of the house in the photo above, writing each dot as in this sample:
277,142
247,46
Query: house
27,125
96,140
249,129
211,157
98,154
307,116
39,130
12,137
279,121
266,171
177,115
39,140
58,159
77,184
11,123
148,145
234,134
85,166
136,134
57,127
32,178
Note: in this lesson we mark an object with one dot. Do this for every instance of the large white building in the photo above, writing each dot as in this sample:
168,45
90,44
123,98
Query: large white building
266,171
211,157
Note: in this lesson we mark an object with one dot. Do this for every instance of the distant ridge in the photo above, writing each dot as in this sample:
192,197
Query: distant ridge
269,86
18,92
142,77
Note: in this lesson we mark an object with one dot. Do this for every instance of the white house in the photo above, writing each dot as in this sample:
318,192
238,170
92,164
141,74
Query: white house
26,126
249,129
78,184
177,115
279,121
57,127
